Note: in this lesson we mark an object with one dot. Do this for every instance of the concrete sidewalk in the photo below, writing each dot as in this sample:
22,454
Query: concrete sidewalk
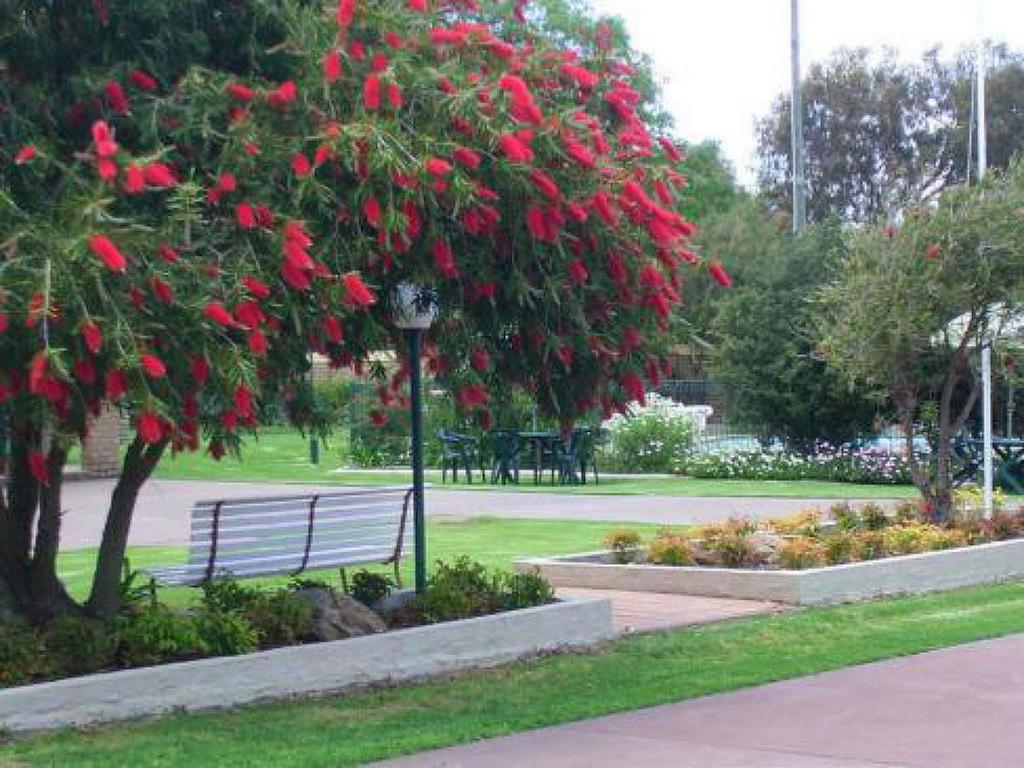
162,514
955,708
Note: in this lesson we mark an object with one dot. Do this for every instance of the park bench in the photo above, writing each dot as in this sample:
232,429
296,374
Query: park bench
277,535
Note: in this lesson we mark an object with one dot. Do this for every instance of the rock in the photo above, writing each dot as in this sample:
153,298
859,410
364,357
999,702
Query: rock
336,616
396,603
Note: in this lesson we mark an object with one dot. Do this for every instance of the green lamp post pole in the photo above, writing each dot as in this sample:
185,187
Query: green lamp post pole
415,310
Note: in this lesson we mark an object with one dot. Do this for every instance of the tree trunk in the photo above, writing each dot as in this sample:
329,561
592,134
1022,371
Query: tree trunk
47,596
139,462
18,518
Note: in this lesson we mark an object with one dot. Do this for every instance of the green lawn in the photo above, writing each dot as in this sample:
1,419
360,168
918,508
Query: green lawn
494,542
284,457
631,673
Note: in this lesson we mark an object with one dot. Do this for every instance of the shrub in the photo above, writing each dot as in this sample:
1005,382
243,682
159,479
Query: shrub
155,634
227,595
526,590
909,538
873,517
825,463
730,541
669,548
624,544
78,646
908,511
656,437
799,553
23,656
870,545
368,587
280,618
845,516
225,633
459,590
806,523
839,547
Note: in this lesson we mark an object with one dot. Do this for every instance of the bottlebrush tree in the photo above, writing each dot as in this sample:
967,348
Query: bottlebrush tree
198,195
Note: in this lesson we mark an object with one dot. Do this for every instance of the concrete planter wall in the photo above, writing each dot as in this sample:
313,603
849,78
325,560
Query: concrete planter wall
308,669
962,567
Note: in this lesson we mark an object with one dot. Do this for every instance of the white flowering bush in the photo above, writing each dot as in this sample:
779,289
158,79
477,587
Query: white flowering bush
825,463
655,437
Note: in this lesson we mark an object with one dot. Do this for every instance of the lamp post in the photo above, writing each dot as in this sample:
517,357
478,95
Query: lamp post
415,309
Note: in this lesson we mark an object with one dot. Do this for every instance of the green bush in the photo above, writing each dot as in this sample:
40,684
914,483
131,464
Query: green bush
78,646
368,587
526,590
465,588
280,618
225,633
731,541
23,656
657,437
154,634
874,517
227,595
840,547
624,544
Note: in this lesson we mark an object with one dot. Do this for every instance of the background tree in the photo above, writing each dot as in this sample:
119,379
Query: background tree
198,195
882,135
886,314
763,337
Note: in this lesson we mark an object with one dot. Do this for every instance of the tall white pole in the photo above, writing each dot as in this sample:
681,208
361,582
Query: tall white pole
797,124
986,350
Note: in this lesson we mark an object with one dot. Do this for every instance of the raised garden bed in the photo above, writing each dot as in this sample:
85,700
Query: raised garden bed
904,574
319,668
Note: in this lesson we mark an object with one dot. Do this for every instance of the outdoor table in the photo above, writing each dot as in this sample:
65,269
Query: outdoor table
538,440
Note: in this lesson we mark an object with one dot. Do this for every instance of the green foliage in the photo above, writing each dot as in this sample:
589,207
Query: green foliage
624,544
369,588
280,618
873,517
78,646
656,437
730,542
23,655
669,548
155,634
226,594
464,588
225,633
839,547
136,587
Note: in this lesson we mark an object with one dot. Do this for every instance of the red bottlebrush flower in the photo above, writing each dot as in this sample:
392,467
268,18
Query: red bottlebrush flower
605,209
227,183
4,322
283,95
161,290
578,272
249,314
258,343
583,77
379,63
103,139
159,175
545,185
372,212
472,396
106,168
357,293
418,5
394,40
219,314
244,216
357,50
651,278
134,180
257,288
148,428
446,85
371,93
39,468
932,252
167,253
467,158
115,384
444,260
200,370
37,373
345,14
301,166
104,249
240,92
671,150
633,385
480,360
395,96
438,167
515,86
440,36
582,156
153,366
332,66
333,329
576,212
142,80
564,355
378,418
514,149
115,97
243,401
264,216
718,273
216,449
252,148
24,155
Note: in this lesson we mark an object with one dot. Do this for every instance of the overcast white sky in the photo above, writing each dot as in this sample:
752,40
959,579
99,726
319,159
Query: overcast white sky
723,61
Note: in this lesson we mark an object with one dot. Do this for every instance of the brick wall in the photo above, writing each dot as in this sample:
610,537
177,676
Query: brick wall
101,454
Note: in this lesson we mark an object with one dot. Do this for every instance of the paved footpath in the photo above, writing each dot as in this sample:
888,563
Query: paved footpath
162,514
954,708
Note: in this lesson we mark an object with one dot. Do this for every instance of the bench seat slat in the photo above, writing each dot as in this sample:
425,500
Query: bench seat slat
297,519
255,547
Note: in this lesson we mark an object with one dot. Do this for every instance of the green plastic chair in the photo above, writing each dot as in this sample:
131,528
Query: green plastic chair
505,445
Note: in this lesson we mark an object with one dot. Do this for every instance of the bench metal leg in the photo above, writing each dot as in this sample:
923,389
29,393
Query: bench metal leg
398,574
344,581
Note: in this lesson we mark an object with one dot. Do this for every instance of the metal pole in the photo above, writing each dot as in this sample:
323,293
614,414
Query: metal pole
986,383
419,522
797,125
980,70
